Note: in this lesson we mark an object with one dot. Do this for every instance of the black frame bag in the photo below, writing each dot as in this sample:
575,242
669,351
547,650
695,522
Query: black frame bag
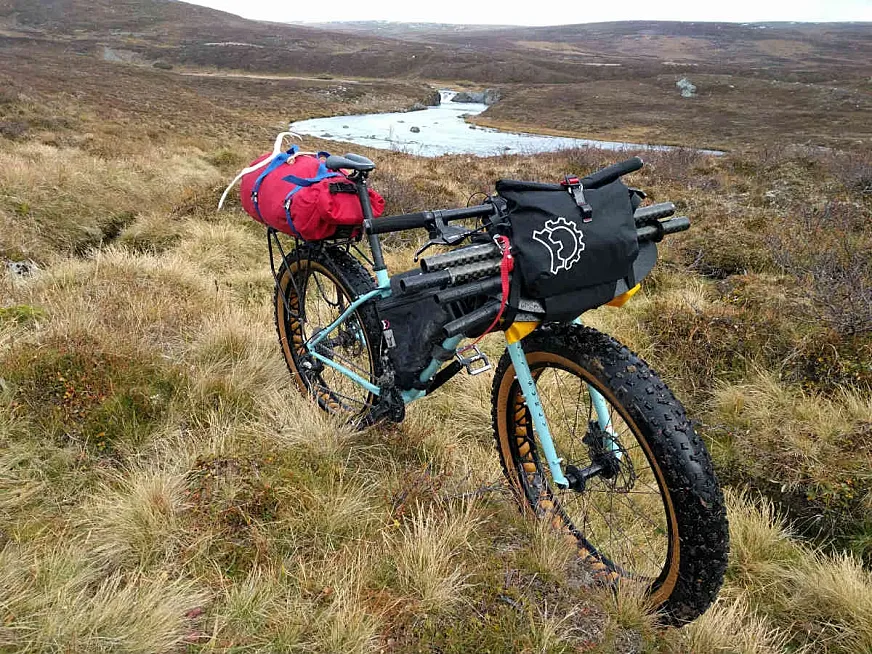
571,246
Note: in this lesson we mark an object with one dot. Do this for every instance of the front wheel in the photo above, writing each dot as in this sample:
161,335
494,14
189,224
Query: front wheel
648,506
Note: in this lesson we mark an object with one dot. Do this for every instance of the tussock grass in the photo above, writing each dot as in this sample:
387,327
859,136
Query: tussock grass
55,598
783,593
630,614
760,540
803,435
121,298
152,232
427,555
238,354
731,627
226,513
134,521
100,196
551,552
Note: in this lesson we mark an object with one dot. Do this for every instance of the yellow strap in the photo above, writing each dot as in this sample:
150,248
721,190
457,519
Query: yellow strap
519,329
621,300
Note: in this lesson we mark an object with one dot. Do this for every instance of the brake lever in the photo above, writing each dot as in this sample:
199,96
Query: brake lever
441,233
423,248
445,239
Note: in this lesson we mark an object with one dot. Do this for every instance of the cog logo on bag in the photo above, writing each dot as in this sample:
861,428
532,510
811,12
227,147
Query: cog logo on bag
563,241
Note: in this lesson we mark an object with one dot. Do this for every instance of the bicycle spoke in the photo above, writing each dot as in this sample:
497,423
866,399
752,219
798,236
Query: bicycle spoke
617,516
320,300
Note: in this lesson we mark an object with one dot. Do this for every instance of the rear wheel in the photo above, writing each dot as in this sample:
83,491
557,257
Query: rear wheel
315,286
645,503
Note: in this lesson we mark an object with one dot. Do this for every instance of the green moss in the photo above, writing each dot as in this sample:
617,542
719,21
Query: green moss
226,159
74,391
20,314
235,498
21,209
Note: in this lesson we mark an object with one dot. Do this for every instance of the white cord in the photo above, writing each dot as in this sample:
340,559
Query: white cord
277,150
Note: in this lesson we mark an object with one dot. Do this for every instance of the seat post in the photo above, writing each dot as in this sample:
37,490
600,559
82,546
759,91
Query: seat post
378,260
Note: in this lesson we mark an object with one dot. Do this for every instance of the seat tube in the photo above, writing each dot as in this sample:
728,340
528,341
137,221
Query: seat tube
534,405
378,259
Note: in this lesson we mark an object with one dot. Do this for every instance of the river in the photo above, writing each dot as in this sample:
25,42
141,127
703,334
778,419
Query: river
442,130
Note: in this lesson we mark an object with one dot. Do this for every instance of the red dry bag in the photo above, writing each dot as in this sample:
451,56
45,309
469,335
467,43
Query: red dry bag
296,194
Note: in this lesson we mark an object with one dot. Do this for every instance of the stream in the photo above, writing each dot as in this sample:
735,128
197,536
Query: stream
442,130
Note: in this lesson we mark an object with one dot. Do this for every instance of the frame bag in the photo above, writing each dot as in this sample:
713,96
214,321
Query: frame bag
571,245
411,323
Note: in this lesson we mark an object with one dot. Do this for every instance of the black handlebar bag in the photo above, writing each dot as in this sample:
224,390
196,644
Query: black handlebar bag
571,246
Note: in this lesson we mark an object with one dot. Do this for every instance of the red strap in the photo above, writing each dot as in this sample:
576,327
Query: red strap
506,266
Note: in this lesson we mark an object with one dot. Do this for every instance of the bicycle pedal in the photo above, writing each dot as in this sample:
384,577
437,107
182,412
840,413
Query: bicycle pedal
475,364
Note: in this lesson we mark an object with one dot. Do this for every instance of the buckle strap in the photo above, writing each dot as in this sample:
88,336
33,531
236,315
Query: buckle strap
576,189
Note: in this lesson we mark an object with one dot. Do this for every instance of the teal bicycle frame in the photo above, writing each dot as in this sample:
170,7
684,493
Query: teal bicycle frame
516,352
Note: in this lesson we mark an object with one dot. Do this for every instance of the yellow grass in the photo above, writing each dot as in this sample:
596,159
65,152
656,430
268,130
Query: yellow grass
241,518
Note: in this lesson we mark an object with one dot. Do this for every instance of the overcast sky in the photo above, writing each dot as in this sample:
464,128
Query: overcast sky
547,12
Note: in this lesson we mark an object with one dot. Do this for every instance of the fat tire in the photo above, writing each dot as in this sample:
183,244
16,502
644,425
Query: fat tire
702,541
354,281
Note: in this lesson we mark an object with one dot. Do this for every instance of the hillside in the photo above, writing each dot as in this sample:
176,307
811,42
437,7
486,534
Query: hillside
191,35
774,48
403,31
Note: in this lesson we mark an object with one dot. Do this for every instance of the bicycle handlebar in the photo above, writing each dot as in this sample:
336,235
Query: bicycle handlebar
656,231
406,221
611,173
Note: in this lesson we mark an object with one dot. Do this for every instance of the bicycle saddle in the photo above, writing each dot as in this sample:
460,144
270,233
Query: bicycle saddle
349,162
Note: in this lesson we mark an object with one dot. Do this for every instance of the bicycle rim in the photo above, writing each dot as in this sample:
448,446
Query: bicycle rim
310,298
623,521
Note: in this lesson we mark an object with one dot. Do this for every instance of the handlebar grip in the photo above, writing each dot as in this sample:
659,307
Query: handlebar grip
611,173
654,212
674,225
439,279
397,223
478,318
656,231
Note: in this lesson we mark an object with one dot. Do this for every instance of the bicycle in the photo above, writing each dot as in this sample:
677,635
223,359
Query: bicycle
588,435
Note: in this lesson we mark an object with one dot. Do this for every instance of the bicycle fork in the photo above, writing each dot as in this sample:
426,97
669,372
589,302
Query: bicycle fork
540,422
537,413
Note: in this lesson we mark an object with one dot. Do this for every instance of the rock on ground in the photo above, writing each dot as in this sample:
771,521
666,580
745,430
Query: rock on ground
688,89
488,96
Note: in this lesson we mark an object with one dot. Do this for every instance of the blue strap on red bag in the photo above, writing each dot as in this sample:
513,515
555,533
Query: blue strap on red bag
304,182
273,165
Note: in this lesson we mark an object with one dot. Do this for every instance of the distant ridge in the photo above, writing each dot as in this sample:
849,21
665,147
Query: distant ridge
397,29
183,34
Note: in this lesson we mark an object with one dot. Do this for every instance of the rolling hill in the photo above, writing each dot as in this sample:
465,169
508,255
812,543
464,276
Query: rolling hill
190,35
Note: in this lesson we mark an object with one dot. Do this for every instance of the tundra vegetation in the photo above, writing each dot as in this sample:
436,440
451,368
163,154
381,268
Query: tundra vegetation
164,488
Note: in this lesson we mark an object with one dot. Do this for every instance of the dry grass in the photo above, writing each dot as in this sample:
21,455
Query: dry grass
134,522
174,491
428,556
731,627
55,598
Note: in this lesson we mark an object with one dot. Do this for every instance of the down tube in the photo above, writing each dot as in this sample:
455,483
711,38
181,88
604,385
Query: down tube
537,413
